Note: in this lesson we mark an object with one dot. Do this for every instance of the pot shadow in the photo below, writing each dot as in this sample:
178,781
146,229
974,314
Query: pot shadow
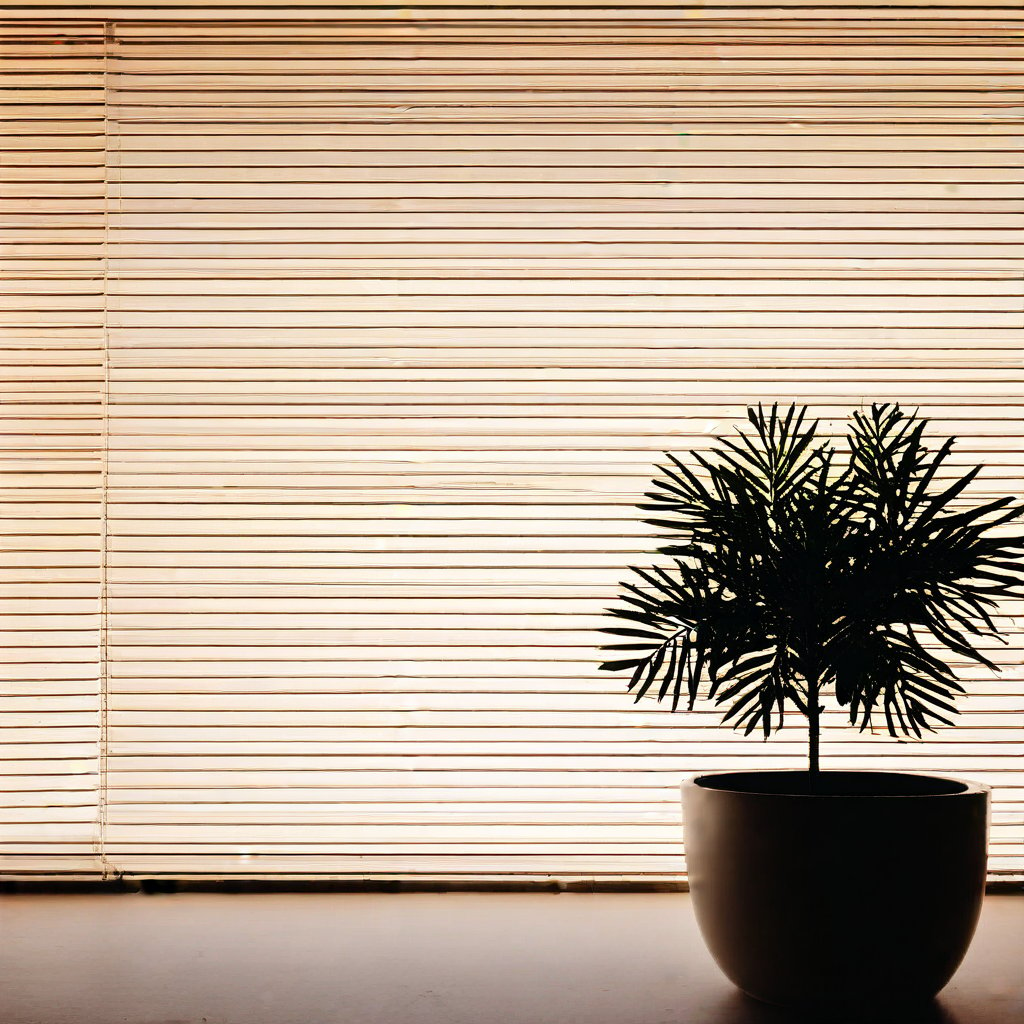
737,1008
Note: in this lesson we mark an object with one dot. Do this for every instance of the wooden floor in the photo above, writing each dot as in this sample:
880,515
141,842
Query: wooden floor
456,958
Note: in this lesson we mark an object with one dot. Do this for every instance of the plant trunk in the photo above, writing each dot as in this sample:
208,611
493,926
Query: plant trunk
813,730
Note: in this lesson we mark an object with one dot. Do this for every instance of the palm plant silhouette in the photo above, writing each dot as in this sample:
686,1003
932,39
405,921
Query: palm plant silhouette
796,571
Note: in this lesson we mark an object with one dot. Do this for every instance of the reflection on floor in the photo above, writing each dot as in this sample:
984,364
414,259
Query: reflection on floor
455,958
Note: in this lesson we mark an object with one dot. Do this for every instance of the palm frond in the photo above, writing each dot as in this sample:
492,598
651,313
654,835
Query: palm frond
795,569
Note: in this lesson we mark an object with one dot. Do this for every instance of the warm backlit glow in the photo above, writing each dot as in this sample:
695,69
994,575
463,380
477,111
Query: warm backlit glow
338,352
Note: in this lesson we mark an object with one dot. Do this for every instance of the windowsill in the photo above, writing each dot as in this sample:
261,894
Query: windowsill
372,958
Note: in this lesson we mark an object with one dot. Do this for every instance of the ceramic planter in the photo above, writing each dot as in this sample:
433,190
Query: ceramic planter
864,894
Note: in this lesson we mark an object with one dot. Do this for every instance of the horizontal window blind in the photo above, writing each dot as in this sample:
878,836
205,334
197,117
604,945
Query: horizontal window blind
343,343
52,216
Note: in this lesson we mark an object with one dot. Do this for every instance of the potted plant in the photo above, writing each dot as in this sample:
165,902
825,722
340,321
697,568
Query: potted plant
797,573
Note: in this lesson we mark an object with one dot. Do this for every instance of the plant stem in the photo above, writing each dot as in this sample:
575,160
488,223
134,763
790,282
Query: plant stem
813,729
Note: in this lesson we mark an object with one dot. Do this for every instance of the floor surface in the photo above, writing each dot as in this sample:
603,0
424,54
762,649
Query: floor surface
409,958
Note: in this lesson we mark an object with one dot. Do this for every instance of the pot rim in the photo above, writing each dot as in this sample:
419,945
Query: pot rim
699,781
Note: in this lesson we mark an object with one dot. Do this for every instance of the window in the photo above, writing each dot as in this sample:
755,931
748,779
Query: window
340,345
